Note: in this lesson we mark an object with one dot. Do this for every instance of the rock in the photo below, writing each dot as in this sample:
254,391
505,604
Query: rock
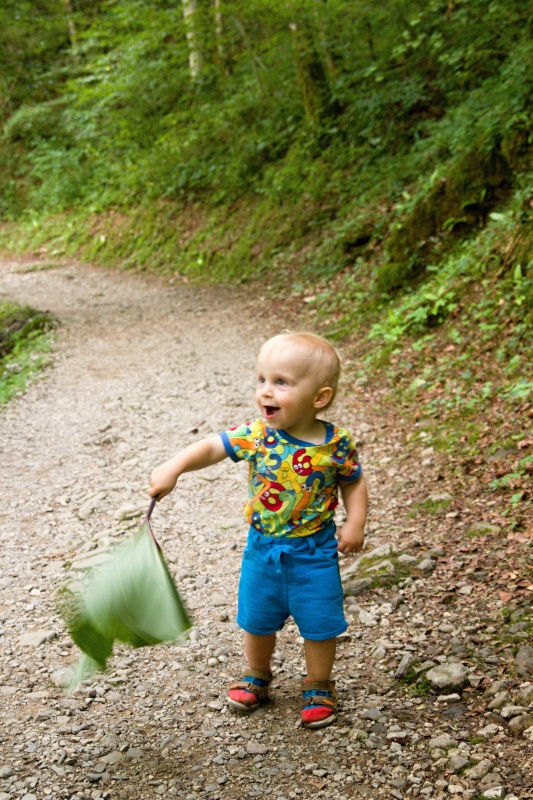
36,638
454,711
444,741
449,698
129,511
524,696
524,660
6,772
426,565
382,551
256,748
90,505
495,791
218,600
115,757
448,677
398,736
458,763
521,723
367,619
510,711
357,586
482,768
528,734
134,754
403,666
369,713
385,566
491,781
494,688
84,562
499,700
438,497
489,731
406,559
483,528
62,678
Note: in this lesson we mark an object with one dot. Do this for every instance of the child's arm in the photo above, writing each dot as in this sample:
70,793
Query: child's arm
355,499
201,454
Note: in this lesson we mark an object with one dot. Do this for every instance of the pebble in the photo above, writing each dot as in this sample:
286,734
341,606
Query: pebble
448,677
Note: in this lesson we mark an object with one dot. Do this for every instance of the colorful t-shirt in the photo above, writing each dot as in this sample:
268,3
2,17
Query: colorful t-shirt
293,485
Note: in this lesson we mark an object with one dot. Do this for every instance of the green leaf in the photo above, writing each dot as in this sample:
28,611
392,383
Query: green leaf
131,598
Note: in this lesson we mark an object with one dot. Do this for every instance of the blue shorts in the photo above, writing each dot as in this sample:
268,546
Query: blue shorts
296,577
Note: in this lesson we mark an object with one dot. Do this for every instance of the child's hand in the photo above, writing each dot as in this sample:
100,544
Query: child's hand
350,538
162,481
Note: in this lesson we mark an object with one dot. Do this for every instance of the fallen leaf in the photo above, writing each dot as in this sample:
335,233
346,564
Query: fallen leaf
505,597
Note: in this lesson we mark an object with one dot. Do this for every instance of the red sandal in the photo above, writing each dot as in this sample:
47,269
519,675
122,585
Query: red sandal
320,704
248,693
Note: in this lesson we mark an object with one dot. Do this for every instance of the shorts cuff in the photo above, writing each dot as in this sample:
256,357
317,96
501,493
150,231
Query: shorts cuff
256,632
322,637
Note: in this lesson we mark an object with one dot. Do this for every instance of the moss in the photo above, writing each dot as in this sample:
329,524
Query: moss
451,206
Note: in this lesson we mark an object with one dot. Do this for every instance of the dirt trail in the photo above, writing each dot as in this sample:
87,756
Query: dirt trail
143,366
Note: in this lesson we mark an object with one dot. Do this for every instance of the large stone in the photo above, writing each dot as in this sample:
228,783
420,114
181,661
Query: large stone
480,770
92,561
357,586
458,763
36,638
426,565
483,528
524,660
129,511
444,741
90,505
385,566
448,677
524,697
382,551
520,724
367,619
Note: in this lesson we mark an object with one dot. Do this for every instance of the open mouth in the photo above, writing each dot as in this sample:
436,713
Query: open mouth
270,411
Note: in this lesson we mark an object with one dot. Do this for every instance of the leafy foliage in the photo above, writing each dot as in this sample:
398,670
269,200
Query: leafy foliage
131,598
24,344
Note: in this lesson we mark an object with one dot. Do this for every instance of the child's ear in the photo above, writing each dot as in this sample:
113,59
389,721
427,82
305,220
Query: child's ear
323,397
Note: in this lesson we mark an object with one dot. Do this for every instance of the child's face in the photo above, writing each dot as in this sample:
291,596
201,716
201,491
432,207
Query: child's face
286,390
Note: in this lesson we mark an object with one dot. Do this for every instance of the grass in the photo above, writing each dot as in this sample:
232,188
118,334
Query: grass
25,346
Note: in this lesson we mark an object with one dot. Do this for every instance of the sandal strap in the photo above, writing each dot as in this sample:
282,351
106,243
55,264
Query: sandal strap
320,693
255,681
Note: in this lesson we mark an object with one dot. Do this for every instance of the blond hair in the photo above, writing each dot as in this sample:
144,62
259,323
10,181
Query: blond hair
322,356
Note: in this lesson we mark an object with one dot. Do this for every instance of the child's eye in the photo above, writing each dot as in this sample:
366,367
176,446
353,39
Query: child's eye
260,379
282,382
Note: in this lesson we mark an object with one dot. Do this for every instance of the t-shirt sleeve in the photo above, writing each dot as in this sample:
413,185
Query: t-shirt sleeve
350,468
241,443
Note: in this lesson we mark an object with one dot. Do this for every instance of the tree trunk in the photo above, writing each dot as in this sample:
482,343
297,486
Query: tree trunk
72,32
220,33
191,16
312,78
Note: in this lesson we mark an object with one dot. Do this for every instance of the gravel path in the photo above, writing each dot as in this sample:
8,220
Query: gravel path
432,706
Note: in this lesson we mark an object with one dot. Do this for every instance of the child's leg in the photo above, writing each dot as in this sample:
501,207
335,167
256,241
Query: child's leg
246,694
319,695
319,657
258,650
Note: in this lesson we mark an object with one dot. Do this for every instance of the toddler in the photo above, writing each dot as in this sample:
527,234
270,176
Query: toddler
297,464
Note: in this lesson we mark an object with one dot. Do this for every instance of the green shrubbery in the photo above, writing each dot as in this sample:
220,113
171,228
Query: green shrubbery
24,344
